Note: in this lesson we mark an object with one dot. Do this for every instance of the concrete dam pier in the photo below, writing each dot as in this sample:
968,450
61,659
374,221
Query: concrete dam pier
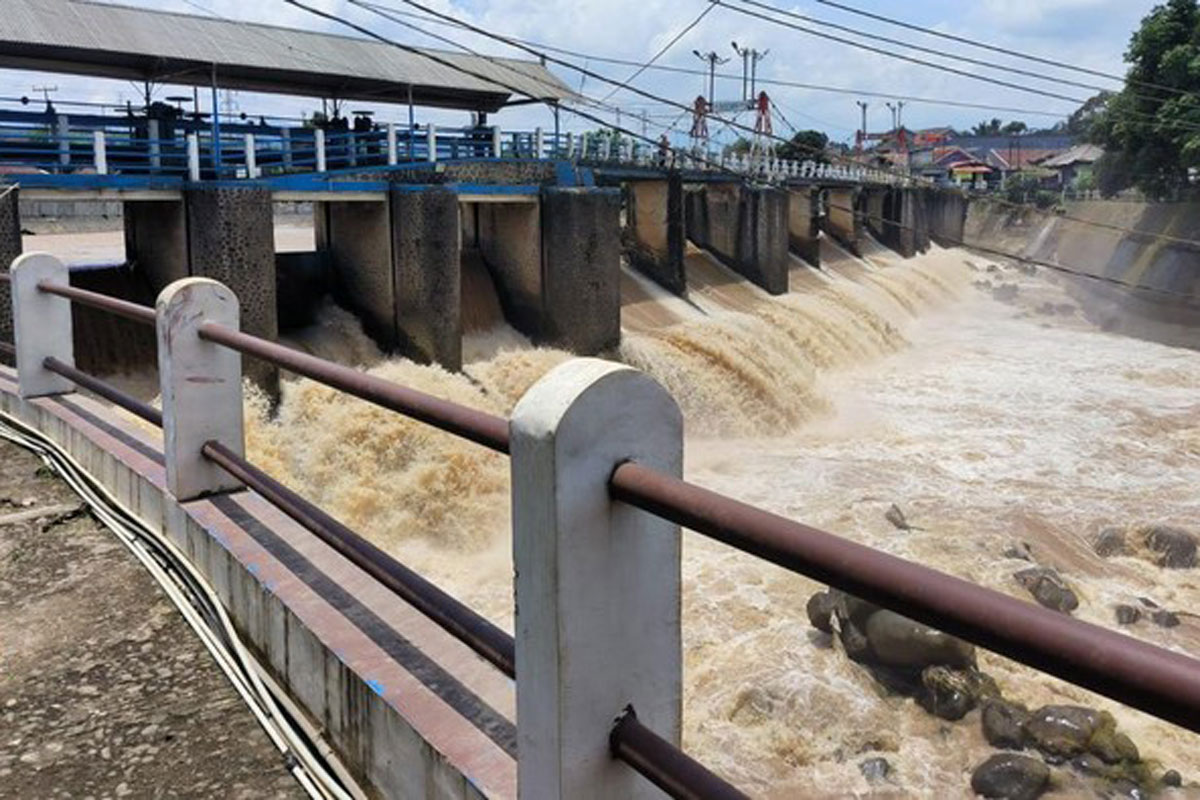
550,236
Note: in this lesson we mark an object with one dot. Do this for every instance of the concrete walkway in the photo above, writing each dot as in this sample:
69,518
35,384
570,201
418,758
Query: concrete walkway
104,690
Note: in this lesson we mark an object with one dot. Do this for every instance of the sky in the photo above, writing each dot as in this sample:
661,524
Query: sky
1092,34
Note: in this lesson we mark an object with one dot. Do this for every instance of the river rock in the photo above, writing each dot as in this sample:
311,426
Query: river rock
1164,618
1127,614
1172,779
1004,724
820,612
1110,542
875,769
898,641
1063,731
1010,776
952,693
1174,548
1048,588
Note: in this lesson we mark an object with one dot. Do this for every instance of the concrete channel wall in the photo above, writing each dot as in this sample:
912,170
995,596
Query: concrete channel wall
412,711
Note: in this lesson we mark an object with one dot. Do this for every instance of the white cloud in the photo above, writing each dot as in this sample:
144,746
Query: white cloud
1090,33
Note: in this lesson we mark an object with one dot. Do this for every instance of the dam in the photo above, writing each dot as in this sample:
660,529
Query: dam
828,402
515,463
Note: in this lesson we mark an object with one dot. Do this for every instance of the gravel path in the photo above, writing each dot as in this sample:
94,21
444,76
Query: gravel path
104,690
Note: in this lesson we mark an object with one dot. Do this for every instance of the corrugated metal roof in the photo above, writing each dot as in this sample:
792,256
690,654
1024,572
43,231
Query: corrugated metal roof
1080,154
80,37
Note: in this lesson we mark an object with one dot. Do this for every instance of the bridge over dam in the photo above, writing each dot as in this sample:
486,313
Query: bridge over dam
548,235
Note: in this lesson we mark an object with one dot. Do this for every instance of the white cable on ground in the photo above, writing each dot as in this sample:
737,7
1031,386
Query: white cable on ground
201,608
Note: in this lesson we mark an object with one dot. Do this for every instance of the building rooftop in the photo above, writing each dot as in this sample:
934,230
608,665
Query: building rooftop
82,37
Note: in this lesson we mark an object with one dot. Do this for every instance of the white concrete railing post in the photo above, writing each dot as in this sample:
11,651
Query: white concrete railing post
598,582
431,142
393,156
570,146
251,157
41,325
193,156
63,132
99,153
201,386
497,148
539,143
319,144
584,143
155,145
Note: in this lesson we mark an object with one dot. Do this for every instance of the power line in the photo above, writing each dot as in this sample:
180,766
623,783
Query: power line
732,77
626,131
662,51
1182,124
922,49
900,56
996,49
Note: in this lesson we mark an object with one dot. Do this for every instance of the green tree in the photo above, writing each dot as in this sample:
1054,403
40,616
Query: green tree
1151,136
1014,128
806,146
987,128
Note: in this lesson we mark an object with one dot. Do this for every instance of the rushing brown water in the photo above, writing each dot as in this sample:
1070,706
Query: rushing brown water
877,381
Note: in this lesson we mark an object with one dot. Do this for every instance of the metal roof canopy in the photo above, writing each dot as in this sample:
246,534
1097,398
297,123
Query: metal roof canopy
111,41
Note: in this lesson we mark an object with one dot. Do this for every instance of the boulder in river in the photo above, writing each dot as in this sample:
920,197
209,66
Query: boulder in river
1127,614
1011,776
875,769
1110,542
1004,724
898,641
952,693
1164,619
1063,731
820,612
1048,588
1172,548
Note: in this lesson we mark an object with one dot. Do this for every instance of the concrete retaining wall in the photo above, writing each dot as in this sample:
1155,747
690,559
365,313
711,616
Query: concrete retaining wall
1169,313
804,223
842,220
746,228
10,248
510,241
655,225
357,240
156,241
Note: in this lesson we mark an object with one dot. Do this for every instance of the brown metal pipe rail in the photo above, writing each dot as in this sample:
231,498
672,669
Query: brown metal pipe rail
480,427
105,390
664,764
113,305
469,627
1149,678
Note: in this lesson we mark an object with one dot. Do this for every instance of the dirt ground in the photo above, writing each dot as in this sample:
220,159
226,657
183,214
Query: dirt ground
104,690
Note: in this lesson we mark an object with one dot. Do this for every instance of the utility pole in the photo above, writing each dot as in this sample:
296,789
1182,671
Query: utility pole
892,109
712,59
750,59
899,113
46,90
862,134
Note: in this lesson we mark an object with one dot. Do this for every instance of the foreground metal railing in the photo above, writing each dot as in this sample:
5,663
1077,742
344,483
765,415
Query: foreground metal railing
1146,677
